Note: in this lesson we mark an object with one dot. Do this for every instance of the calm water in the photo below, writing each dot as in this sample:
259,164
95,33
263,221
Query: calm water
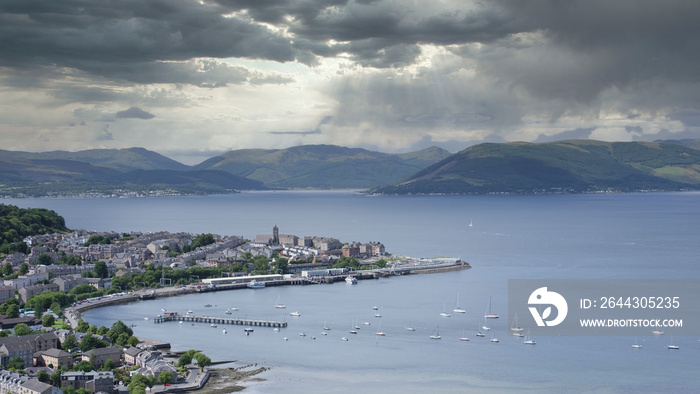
582,236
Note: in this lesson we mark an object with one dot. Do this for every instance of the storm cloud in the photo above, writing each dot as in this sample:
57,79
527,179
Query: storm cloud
386,74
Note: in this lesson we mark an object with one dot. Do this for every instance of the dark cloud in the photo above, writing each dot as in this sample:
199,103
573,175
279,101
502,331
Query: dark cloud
134,113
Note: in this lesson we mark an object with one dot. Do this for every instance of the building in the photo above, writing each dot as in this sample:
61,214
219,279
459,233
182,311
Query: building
33,386
351,250
130,355
27,292
25,347
98,357
53,358
6,292
93,381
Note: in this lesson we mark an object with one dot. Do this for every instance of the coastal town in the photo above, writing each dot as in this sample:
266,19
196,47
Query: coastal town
102,268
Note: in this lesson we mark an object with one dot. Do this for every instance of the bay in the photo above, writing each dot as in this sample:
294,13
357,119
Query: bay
611,236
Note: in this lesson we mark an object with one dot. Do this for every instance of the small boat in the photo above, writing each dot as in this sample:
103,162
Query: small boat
145,318
480,334
279,305
180,323
224,331
636,344
516,327
351,280
228,311
357,327
302,334
375,308
213,325
207,306
444,313
518,334
471,223
190,312
325,327
247,330
377,315
380,332
285,338
657,332
276,329
671,346
366,323
489,314
295,314
234,309
254,284
353,331
343,339
410,328
493,338
457,308
528,340
436,333
464,338
324,333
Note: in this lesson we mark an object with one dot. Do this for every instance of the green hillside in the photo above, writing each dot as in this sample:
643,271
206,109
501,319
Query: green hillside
118,159
564,166
322,166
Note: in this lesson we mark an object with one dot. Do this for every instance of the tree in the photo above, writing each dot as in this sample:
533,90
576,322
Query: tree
23,269
101,270
70,342
165,377
138,384
56,308
43,376
44,259
16,363
56,377
48,320
22,329
102,330
281,265
133,341
202,360
7,269
85,366
108,366
83,326
12,311
261,265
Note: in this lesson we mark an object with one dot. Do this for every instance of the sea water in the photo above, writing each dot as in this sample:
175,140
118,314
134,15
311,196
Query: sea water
614,236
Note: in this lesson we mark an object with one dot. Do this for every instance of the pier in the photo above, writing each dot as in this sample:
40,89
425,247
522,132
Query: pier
174,316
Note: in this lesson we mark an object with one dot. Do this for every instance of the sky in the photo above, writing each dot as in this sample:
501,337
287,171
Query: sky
192,79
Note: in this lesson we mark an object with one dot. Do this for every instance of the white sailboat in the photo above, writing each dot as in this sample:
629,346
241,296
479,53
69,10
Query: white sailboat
380,332
485,326
636,344
471,223
410,327
436,333
515,327
278,304
444,312
671,346
464,337
489,314
493,337
528,340
457,308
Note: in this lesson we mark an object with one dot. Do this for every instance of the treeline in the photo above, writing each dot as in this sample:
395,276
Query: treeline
18,223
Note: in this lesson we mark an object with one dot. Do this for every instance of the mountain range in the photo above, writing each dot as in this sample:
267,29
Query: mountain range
571,166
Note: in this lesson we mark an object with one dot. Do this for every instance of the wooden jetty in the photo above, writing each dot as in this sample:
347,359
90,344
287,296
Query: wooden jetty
174,316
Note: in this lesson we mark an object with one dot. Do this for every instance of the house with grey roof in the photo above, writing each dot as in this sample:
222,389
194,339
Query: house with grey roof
94,381
53,358
25,347
98,357
32,386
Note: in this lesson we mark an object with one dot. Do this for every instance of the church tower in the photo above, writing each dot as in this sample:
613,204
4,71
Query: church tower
275,235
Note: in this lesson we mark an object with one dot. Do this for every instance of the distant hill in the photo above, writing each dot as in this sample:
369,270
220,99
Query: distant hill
134,169
690,143
322,166
118,159
564,166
